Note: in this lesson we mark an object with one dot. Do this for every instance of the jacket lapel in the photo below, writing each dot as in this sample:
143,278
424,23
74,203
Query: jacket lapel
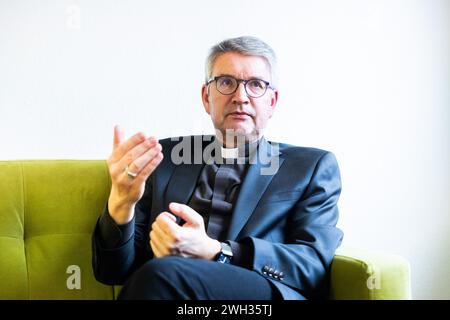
182,184
255,183
184,178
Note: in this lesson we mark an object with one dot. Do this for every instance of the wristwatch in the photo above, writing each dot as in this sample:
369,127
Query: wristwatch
225,255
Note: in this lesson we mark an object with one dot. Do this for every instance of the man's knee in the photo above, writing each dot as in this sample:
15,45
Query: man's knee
166,267
157,279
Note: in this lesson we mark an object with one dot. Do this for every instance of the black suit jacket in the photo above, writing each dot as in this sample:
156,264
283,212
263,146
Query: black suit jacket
288,218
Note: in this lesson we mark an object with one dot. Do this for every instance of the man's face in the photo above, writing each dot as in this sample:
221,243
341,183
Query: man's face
238,112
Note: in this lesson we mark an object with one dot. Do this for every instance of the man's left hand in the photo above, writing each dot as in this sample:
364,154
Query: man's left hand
189,240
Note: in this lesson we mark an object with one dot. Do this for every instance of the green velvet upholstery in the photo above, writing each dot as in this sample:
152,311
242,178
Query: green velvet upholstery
48,209
360,274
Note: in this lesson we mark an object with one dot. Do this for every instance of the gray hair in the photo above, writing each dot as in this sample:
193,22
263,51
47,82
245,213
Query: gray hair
245,45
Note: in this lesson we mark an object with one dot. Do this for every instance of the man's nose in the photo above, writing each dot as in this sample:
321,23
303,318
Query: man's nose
240,96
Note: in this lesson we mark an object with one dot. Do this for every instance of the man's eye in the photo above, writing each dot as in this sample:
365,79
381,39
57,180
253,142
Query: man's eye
256,84
226,82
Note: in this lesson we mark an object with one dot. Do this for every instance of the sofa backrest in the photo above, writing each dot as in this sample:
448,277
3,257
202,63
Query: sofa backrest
48,210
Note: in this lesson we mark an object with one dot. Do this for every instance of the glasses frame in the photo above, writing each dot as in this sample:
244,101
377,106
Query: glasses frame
268,86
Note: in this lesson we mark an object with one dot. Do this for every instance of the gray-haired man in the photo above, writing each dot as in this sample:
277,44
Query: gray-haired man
221,228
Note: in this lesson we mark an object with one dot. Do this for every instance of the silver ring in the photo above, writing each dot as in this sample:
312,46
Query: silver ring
130,173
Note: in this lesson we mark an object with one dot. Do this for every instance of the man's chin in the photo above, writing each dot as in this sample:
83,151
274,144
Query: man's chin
237,131
243,134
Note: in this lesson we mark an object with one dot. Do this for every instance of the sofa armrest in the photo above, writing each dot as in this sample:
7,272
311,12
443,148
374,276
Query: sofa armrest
365,275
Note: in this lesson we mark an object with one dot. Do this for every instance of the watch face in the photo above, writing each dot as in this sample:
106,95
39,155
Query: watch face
223,258
226,249
225,253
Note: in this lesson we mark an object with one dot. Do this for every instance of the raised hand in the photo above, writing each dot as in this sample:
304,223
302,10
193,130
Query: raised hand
131,162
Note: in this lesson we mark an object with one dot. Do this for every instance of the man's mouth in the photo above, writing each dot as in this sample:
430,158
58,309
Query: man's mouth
239,114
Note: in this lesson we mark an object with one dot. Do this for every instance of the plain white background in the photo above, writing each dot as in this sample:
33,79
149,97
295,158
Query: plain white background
367,80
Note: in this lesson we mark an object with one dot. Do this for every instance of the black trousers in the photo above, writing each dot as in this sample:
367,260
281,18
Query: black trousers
176,278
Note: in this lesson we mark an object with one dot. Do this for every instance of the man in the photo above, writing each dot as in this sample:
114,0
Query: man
227,226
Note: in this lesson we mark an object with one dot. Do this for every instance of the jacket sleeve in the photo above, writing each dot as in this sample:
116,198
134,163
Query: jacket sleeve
116,257
302,262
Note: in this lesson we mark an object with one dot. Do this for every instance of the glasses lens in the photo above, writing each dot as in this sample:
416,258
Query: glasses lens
256,88
226,85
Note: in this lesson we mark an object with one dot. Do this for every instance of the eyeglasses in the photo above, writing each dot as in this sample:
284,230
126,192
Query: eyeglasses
228,85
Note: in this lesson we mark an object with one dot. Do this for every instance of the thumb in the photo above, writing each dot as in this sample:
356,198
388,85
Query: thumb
186,213
118,136
170,216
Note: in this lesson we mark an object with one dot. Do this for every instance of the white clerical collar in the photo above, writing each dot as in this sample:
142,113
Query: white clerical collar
241,151
229,153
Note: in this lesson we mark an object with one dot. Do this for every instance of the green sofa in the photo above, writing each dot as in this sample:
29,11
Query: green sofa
48,209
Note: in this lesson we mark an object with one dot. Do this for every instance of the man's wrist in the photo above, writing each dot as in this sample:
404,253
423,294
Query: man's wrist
216,248
121,214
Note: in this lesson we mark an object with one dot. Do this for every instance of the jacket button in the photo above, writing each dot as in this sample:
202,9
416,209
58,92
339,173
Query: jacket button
271,270
265,269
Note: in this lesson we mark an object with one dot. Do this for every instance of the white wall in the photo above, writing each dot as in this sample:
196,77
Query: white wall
368,80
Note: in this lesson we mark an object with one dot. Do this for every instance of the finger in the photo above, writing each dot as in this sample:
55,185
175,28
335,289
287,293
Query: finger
118,136
155,249
171,216
166,223
164,238
154,243
142,176
157,246
147,148
141,160
149,168
142,148
186,213
126,146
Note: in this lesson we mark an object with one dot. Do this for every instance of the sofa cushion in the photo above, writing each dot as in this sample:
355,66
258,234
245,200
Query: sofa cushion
48,210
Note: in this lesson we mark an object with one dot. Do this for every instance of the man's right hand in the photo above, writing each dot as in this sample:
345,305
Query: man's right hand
138,155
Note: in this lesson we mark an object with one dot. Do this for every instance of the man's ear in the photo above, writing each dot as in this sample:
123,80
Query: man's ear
205,98
274,99
273,102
